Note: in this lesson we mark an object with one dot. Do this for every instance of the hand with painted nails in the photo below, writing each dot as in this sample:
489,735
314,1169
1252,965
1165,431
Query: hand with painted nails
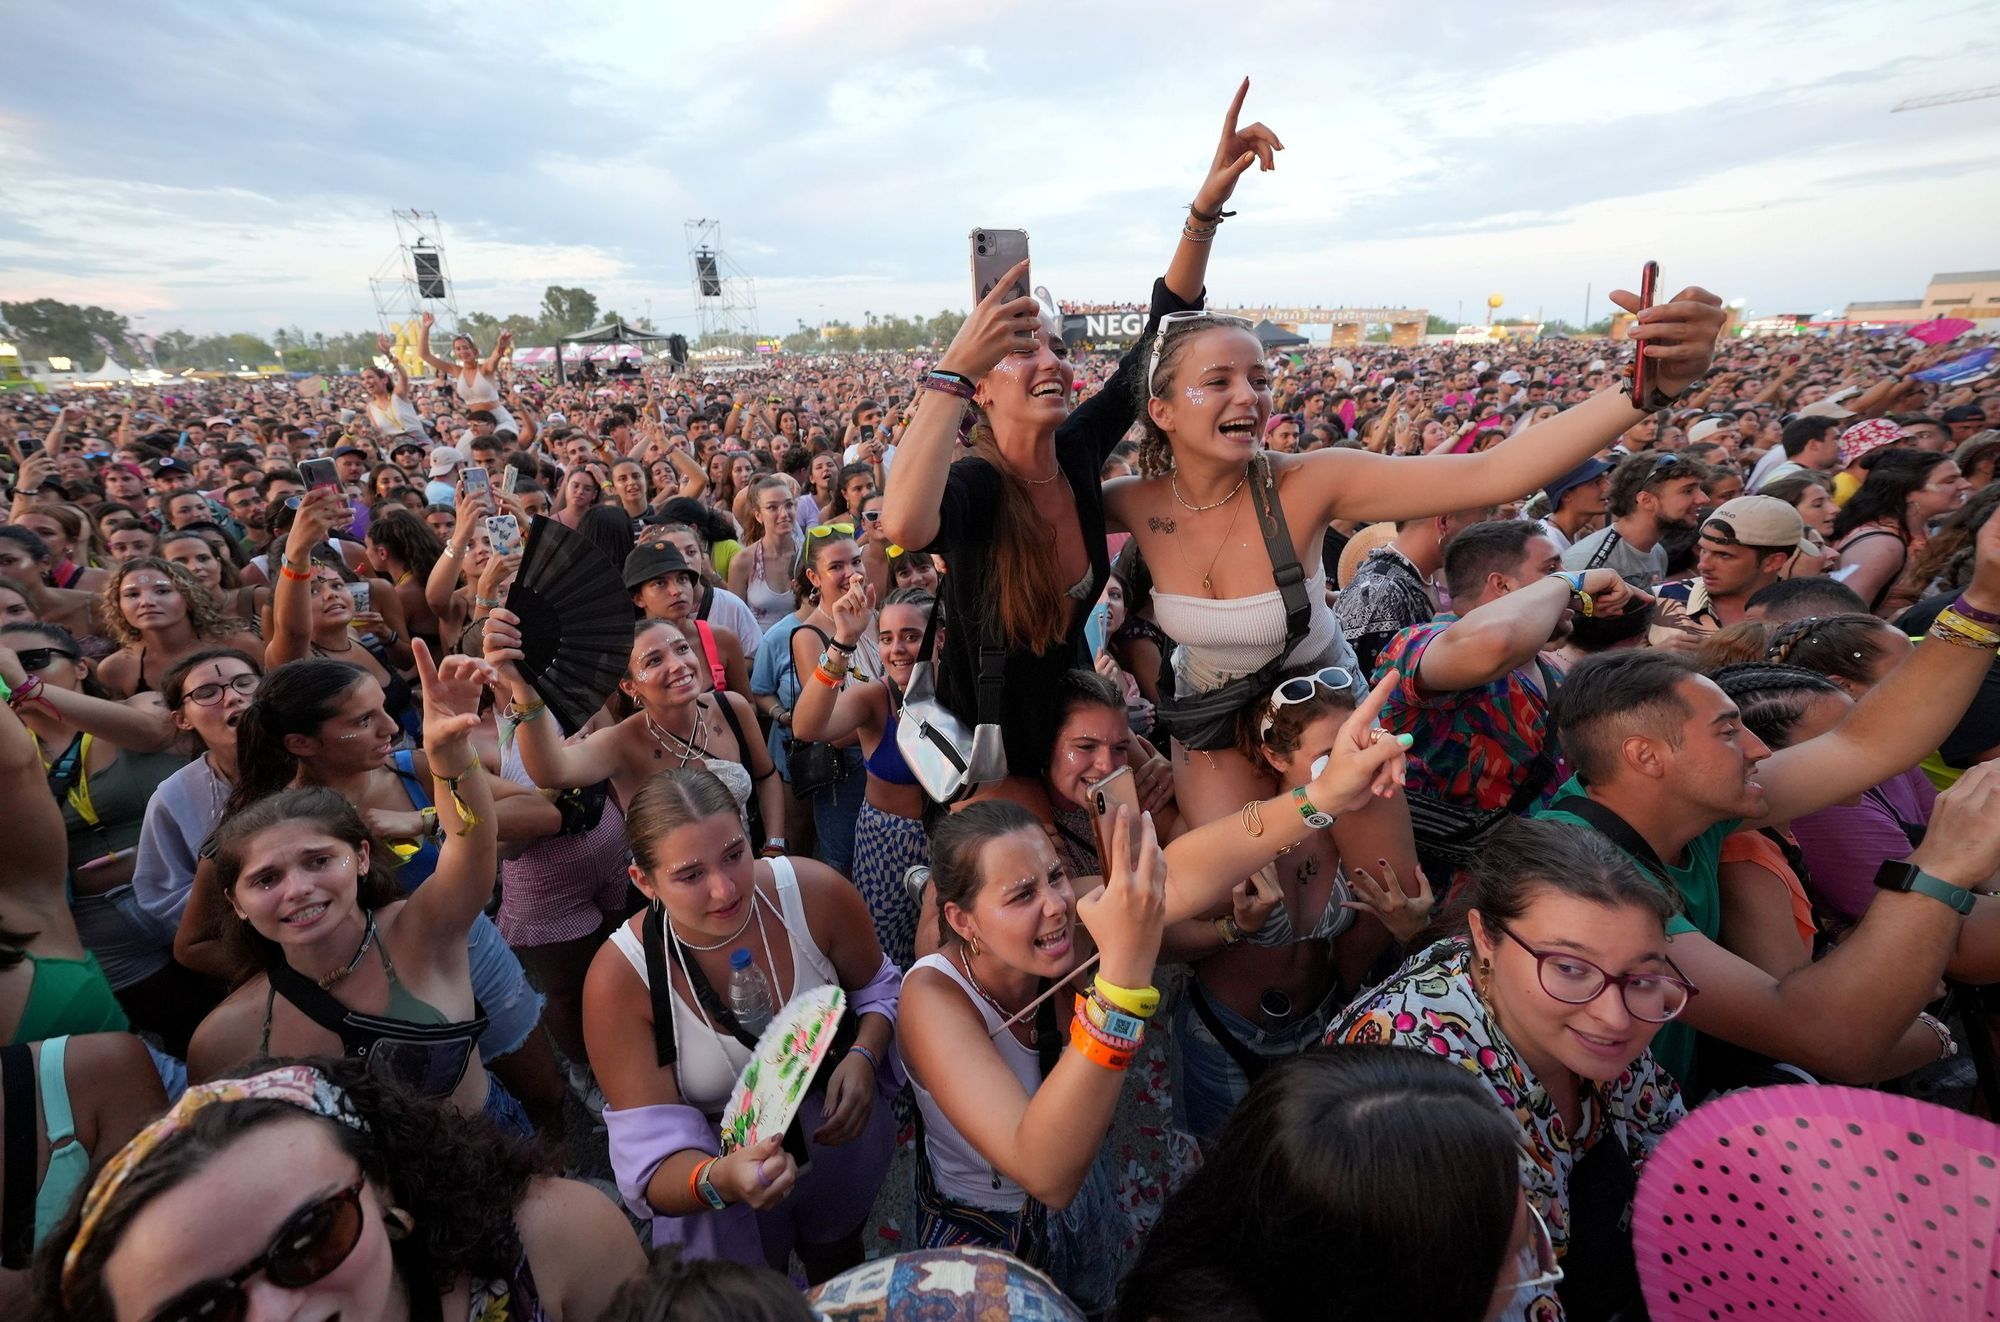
1404,914
1367,762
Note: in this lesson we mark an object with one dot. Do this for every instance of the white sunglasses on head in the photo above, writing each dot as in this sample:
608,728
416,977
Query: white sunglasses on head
1173,319
1300,688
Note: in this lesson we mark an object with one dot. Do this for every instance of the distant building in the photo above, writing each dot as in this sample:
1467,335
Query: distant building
1974,294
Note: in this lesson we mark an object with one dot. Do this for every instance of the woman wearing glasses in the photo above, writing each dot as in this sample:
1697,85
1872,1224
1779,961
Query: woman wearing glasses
349,1197
205,696
102,785
830,565
1550,999
1021,521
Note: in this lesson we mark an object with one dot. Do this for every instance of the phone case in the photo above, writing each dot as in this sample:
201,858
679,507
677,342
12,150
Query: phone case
1642,371
504,531
994,253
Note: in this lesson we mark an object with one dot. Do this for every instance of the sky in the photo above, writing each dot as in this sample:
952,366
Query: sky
215,166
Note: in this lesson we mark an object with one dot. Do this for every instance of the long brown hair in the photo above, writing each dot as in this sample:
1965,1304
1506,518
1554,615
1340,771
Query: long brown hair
204,609
1030,600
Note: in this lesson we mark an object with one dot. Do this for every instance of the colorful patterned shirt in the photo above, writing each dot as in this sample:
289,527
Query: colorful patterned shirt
1431,1005
1471,747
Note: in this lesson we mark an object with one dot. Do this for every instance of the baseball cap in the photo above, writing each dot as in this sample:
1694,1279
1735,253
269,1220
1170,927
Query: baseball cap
1511,378
1824,408
1965,413
1704,429
346,450
170,466
1588,471
1760,521
647,563
1866,436
444,460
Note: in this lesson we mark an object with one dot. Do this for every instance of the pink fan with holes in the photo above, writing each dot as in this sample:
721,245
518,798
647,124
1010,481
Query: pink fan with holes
1939,330
1821,1202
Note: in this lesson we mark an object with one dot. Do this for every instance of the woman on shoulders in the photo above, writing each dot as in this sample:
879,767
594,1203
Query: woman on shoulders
474,380
668,1051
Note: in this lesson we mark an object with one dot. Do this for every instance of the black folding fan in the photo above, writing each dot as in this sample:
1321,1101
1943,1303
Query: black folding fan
576,622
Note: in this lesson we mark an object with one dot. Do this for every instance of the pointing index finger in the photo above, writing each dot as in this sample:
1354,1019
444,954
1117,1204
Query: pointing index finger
1235,109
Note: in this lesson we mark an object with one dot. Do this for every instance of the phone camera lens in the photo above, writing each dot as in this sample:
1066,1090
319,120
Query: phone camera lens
1102,807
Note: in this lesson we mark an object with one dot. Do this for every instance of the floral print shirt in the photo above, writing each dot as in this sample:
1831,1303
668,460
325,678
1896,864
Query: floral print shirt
1430,1005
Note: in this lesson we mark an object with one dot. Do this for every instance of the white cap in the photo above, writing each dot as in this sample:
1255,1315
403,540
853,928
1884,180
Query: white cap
444,460
1704,429
1510,378
1596,365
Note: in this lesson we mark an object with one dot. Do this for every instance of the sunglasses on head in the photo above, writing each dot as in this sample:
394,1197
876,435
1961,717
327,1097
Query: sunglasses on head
832,529
1300,688
41,658
309,1247
1172,319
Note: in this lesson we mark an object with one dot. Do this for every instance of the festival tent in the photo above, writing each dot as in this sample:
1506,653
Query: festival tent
1273,336
610,336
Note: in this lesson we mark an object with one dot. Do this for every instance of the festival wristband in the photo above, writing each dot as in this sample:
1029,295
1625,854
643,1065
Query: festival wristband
858,1050
1973,613
1096,1051
1110,1018
955,386
1142,1001
6,692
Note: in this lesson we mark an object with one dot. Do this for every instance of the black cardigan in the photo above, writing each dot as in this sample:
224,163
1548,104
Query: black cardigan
967,518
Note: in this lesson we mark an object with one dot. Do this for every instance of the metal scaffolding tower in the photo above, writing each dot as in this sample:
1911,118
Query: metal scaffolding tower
725,299
415,278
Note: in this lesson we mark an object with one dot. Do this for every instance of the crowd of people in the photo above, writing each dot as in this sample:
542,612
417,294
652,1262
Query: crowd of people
1225,718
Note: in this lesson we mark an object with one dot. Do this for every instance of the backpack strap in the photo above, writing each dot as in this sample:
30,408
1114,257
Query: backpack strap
1620,832
1286,571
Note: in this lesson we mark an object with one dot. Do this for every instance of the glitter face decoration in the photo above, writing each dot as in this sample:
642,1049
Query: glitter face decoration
1195,395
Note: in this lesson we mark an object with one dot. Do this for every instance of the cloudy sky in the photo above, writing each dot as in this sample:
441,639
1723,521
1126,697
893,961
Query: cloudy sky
217,166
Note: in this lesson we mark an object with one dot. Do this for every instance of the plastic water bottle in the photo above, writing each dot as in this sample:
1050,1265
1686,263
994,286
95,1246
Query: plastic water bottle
749,993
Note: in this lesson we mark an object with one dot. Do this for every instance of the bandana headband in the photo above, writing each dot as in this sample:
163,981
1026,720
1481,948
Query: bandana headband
295,1085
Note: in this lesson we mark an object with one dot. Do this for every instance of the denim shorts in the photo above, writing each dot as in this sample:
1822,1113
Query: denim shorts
1207,1082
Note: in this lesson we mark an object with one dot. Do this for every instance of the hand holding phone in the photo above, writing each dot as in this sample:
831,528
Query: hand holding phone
478,483
994,253
1642,373
504,532
319,473
1105,798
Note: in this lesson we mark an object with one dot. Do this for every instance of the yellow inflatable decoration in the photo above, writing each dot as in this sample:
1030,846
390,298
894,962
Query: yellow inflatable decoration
1494,300
409,342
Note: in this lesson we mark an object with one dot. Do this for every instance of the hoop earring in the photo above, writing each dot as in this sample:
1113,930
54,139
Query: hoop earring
972,943
398,1223
1485,970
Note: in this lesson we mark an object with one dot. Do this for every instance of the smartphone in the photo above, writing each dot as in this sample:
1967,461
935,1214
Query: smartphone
1642,372
1094,630
1105,797
504,531
867,431
363,594
994,253
508,479
319,473
479,483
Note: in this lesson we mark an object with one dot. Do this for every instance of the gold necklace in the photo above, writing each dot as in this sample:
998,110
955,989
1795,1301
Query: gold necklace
1207,581
1174,485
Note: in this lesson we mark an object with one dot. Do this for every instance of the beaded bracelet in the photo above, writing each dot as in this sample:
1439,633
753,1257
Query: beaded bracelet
1971,612
949,383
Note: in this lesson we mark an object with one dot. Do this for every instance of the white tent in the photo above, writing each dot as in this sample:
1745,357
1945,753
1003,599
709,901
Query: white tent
111,371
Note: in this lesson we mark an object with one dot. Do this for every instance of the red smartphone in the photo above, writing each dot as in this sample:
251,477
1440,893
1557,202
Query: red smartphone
1642,371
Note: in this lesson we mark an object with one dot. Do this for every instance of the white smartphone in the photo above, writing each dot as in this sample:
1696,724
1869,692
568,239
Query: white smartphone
508,479
994,253
504,532
479,483
363,594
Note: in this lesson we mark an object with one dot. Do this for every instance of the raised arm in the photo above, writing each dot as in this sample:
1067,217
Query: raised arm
1503,635
552,763
1899,722
291,593
831,712
1205,864
493,360
1044,1142
441,588
138,725
38,847
468,860
1679,338
436,364
1847,1017
52,443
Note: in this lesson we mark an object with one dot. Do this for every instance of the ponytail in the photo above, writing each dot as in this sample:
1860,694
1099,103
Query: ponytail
296,698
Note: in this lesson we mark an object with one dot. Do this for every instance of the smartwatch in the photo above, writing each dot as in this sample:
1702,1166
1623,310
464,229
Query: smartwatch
1908,877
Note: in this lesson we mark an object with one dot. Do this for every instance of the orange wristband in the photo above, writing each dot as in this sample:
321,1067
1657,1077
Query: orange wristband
1095,1050
694,1183
286,571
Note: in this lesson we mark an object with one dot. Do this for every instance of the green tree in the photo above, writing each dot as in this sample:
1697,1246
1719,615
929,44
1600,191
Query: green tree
1436,325
50,326
940,330
566,310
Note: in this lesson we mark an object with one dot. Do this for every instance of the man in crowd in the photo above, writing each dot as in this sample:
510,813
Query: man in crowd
1666,770
1650,496
1577,502
1806,444
1745,546
1394,587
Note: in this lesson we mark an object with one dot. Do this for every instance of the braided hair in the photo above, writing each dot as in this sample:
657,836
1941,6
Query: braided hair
1849,646
1773,698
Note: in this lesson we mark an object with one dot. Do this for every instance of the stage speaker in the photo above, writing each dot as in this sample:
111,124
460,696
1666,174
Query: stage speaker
430,279
704,269
677,349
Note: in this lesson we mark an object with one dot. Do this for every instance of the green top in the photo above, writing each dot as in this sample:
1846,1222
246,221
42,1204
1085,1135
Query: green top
68,996
1697,883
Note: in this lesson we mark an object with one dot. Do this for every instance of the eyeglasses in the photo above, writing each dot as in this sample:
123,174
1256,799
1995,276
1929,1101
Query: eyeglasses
210,694
312,1243
1300,688
1653,998
41,658
1172,319
1536,1269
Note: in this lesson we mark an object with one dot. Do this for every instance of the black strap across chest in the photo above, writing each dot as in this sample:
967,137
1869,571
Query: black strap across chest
1619,831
